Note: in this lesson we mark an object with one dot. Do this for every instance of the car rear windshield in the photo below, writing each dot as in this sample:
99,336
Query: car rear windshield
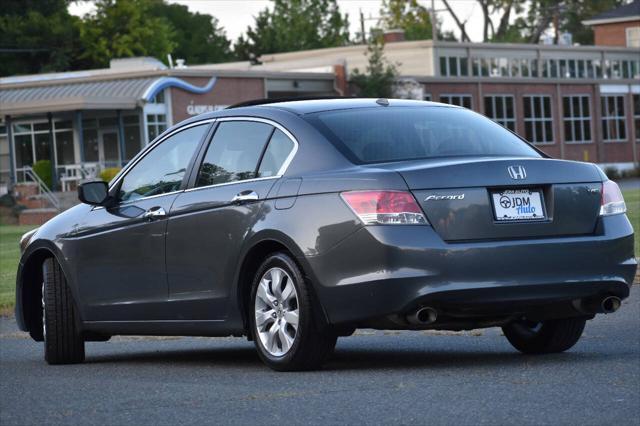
380,134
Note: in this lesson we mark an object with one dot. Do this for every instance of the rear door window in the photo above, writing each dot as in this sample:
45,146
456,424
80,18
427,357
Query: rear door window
234,152
275,156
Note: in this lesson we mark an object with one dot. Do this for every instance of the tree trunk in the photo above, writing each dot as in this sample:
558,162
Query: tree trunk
460,24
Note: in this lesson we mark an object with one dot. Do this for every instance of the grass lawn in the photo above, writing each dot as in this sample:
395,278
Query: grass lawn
10,252
632,199
9,257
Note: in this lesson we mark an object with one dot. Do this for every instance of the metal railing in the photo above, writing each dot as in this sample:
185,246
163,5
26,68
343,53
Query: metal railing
43,189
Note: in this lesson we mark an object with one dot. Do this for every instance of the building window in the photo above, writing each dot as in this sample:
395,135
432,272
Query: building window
63,135
538,119
131,128
633,36
32,143
613,119
577,119
453,66
426,97
636,116
480,67
460,100
501,110
156,124
5,164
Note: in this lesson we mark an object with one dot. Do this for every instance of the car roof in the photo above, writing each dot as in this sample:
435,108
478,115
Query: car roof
309,106
269,108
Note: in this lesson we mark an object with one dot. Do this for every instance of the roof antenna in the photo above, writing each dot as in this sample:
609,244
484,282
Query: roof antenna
382,101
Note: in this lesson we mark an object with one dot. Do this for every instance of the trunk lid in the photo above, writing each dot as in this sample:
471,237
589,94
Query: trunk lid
459,196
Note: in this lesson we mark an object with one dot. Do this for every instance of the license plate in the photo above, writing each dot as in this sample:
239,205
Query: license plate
518,204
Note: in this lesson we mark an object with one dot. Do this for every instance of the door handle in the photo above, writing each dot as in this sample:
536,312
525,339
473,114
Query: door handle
155,213
245,197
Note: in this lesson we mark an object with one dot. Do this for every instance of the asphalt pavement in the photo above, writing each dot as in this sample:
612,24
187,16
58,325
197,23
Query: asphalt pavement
374,377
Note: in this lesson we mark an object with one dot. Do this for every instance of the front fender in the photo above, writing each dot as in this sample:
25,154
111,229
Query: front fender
29,280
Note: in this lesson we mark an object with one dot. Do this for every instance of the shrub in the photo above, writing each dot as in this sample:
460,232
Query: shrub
109,173
42,168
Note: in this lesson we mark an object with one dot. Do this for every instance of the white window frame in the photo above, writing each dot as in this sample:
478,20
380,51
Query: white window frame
460,96
636,116
572,117
503,104
447,72
544,119
632,36
615,116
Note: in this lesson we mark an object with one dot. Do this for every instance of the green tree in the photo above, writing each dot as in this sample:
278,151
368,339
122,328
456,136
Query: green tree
377,81
407,15
125,28
294,25
37,36
198,37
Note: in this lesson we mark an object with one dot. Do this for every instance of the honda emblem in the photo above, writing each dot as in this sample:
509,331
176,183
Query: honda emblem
517,172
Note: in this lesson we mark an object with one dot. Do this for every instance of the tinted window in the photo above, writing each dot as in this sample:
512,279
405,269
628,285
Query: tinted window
234,152
280,146
369,135
162,169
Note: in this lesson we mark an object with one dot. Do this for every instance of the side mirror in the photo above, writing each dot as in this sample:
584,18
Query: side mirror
93,193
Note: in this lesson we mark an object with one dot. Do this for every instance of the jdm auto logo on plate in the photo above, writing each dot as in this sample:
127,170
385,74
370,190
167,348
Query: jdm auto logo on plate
521,204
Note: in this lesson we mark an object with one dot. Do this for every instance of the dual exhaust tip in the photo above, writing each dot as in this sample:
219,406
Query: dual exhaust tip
427,315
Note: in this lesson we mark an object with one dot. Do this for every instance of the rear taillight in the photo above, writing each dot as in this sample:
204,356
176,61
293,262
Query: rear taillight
612,200
385,207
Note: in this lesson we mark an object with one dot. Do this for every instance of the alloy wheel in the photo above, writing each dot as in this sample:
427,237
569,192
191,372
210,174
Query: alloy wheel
276,312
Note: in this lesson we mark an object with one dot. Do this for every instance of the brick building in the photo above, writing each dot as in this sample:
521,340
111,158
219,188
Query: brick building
618,27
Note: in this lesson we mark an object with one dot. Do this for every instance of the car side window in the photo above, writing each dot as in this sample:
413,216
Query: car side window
162,170
279,149
234,152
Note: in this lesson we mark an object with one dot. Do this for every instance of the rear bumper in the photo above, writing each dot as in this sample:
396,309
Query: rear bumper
392,270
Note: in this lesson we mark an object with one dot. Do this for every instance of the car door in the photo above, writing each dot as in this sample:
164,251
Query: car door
120,250
210,221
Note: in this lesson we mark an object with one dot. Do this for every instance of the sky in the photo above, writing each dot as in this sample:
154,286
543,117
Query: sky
236,15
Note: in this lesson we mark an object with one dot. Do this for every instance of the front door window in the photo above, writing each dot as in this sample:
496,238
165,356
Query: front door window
163,169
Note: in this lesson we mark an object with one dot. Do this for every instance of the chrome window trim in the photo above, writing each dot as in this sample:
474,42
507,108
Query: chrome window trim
126,203
150,148
284,166
158,141
278,126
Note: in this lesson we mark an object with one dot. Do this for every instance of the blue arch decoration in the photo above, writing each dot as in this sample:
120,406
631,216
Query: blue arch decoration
165,82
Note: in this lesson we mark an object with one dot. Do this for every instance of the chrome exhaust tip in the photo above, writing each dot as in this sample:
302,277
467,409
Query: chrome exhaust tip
610,304
423,316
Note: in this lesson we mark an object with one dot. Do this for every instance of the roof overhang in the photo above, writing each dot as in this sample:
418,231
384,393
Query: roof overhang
605,21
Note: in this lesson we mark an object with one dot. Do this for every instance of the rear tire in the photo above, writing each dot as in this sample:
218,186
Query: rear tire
63,343
551,336
296,342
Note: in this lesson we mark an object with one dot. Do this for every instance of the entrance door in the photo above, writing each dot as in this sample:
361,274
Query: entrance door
109,148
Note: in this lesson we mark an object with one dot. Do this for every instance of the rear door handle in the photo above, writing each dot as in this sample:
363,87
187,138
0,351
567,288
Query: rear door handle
245,197
155,213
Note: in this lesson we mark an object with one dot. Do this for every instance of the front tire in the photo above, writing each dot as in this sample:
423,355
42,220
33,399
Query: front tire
282,320
63,343
551,336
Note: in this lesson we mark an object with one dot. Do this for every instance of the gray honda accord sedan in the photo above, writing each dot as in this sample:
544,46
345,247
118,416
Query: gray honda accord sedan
294,223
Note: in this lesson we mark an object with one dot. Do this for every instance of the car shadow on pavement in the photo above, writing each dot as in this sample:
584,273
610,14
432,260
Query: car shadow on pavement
446,359
348,358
